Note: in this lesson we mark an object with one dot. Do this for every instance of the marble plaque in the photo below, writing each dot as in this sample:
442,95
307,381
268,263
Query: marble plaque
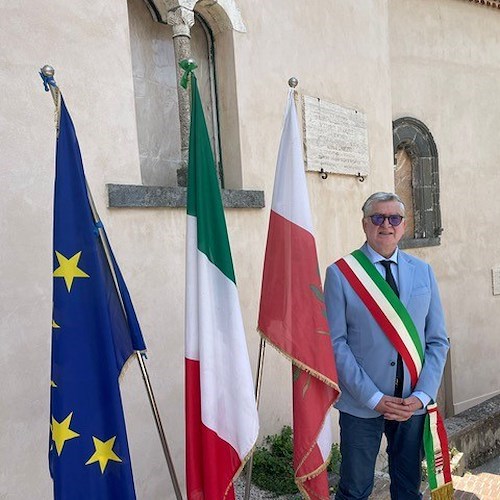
335,138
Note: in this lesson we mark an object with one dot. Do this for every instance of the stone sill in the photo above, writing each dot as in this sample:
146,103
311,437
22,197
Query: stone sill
420,242
133,196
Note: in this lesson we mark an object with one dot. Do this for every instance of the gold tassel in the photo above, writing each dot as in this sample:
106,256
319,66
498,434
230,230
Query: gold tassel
444,492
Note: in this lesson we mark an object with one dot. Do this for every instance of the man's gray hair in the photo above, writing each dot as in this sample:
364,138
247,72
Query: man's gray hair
378,197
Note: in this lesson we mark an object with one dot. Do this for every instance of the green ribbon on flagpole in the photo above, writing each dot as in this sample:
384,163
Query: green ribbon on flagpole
188,65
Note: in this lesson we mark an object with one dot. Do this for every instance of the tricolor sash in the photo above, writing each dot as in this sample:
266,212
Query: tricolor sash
395,321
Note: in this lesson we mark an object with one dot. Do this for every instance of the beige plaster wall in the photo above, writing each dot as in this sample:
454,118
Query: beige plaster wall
89,47
338,51
445,58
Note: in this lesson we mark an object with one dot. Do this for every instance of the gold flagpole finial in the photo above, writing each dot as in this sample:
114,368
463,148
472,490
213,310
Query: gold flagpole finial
47,75
48,71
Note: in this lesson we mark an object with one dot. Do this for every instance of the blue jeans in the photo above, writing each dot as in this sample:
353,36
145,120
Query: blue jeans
359,446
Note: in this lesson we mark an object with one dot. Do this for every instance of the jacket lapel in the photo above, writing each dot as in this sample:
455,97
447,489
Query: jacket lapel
406,271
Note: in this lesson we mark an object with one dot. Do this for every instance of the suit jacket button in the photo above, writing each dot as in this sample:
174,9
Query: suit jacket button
393,363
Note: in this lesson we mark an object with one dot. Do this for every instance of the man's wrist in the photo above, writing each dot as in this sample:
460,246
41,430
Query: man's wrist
424,398
375,400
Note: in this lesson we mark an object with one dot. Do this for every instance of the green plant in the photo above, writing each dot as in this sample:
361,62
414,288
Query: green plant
334,465
273,463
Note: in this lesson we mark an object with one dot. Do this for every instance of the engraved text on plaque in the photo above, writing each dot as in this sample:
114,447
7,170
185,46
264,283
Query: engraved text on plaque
335,137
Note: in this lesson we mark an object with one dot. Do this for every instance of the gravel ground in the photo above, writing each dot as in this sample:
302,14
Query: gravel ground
256,493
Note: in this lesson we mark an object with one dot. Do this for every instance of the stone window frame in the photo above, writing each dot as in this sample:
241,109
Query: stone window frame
415,138
215,97
220,16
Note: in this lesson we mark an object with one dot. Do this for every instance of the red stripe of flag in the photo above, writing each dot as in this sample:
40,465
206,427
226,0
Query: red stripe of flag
206,478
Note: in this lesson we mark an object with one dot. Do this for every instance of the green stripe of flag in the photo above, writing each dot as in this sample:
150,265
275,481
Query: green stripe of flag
429,454
203,194
393,299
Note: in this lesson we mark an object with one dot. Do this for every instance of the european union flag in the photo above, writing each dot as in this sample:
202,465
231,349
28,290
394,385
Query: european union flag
94,332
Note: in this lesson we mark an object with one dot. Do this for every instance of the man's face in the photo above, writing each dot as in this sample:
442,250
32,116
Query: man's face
385,238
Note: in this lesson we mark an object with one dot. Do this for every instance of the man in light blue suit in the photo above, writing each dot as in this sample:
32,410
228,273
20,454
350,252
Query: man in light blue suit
377,396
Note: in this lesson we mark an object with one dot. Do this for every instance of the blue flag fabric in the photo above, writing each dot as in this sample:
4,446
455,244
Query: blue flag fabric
94,332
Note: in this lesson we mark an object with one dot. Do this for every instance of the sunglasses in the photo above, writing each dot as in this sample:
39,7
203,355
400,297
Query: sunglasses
379,219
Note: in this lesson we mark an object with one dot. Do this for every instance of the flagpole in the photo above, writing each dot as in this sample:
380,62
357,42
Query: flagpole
258,384
292,83
159,426
47,74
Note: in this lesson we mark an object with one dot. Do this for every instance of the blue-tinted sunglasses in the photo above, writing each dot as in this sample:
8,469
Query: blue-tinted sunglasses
379,219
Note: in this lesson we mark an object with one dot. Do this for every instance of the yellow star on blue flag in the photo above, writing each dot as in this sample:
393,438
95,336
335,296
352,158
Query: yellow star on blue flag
68,269
103,453
61,432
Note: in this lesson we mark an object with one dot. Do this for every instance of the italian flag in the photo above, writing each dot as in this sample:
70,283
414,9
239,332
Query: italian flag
221,415
292,312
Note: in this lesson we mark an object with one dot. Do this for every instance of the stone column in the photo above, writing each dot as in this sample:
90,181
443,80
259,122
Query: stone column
181,19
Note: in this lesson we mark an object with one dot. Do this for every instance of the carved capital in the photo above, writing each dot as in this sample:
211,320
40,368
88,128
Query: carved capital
181,20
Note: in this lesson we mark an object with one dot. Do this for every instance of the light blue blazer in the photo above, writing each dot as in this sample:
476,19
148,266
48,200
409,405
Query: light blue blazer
366,360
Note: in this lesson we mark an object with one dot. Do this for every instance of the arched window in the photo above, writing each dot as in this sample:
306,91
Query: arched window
163,32
158,114
416,179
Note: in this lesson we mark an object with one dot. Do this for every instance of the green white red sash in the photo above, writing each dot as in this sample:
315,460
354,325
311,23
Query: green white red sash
438,463
386,308
395,321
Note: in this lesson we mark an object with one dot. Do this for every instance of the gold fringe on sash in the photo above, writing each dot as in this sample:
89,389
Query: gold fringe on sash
444,492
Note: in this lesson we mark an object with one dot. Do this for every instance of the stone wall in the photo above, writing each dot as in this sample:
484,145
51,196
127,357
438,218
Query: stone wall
476,432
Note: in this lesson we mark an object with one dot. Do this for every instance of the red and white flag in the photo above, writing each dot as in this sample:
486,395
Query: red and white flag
292,312
221,414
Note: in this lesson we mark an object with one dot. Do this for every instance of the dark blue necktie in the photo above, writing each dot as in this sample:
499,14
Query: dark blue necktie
398,384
